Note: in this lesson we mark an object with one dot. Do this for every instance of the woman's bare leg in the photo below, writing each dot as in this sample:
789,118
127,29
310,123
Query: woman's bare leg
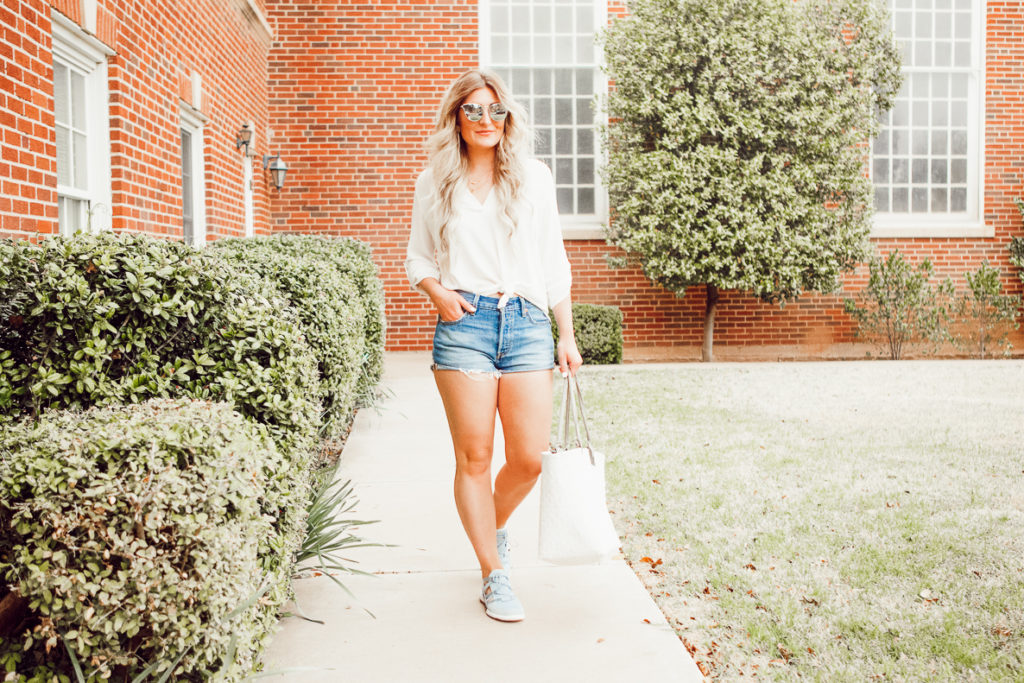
470,401
524,404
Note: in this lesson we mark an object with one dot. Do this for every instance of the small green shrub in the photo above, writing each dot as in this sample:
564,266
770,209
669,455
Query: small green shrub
899,306
106,319
330,309
598,331
985,315
145,534
1017,244
348,257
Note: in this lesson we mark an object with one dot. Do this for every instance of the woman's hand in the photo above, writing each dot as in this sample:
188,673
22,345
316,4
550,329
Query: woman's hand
450,305
569,358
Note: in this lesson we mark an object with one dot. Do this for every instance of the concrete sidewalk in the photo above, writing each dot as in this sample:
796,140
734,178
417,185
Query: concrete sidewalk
593,623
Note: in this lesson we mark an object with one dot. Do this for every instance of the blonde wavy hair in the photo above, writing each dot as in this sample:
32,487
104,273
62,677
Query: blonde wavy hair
446,151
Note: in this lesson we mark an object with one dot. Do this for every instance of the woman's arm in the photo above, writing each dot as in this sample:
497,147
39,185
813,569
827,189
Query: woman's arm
569,358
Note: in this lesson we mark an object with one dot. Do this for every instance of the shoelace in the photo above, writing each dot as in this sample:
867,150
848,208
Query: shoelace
500,589
505,547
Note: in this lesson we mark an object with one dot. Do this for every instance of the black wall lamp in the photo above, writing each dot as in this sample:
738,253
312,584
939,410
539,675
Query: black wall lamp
277,169
244,137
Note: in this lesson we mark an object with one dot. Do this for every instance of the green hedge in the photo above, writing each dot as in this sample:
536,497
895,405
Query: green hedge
350,259
330,310
147,534
107,319
287,332
598,332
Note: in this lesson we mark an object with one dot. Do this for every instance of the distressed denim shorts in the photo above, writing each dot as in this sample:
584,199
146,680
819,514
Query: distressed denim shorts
513,338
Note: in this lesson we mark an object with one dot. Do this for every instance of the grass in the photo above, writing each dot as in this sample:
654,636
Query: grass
824,521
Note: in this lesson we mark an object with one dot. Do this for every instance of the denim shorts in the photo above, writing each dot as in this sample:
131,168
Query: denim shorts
514,338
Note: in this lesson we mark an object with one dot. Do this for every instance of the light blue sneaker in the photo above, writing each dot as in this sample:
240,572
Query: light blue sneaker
504,549
497,596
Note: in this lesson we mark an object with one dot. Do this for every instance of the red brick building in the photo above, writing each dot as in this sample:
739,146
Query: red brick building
132,115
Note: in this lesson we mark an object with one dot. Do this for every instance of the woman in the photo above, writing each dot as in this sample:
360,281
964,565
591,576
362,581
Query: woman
486,247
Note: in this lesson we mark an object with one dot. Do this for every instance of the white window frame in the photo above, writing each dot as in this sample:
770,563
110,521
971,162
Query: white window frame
972,222
580,227
84,54
193,122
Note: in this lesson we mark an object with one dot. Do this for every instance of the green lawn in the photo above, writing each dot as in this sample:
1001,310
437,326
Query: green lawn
825,521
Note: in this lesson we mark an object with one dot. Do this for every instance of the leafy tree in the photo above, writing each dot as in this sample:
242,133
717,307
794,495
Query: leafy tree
736,141
899,306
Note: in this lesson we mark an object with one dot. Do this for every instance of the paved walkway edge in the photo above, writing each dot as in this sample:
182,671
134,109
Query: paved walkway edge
417,618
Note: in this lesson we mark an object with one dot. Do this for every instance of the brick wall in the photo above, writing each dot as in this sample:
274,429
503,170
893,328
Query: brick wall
28,169
208,53
339,70
346,94
354,86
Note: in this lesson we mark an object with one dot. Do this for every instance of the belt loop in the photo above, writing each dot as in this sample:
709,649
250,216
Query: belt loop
476,300
522,307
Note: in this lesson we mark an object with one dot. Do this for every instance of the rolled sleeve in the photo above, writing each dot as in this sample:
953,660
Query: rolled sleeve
420,259
557,271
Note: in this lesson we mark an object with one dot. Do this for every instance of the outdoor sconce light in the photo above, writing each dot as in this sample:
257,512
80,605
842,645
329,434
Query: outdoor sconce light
244,137
277,169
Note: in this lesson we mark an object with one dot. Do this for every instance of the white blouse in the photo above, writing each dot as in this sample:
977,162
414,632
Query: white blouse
481,257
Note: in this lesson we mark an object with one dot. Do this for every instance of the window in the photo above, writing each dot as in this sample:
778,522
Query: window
193,195
545,50
927,160
82,128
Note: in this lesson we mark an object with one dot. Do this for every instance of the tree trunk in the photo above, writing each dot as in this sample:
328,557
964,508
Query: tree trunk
706,353
13,609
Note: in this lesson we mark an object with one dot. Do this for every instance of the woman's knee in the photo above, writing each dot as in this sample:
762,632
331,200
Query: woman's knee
526,466
473,464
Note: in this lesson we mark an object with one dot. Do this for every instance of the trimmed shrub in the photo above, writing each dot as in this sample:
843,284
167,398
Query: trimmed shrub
900,306
353,259
598,332
330,309
145,535
1016,244
105,319
985,314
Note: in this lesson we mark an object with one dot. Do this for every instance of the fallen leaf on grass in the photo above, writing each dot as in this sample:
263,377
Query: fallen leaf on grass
651,561
750,566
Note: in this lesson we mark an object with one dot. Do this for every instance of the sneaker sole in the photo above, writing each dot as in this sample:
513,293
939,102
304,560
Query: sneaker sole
498,617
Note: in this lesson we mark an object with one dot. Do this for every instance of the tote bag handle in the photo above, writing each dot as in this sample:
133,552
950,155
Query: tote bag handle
572,414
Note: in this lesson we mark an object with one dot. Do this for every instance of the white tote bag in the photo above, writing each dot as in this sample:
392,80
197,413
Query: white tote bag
575,527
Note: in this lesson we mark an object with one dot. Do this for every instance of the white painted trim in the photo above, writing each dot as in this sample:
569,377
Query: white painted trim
921,225
197,92
75,46
191,115
268,32
84,54
582,229
247,198
89,16
193,121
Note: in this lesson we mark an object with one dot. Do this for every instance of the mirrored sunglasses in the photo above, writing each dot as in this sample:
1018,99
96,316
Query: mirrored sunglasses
474,112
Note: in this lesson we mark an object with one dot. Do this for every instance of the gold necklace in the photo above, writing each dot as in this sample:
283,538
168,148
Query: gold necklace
477,182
